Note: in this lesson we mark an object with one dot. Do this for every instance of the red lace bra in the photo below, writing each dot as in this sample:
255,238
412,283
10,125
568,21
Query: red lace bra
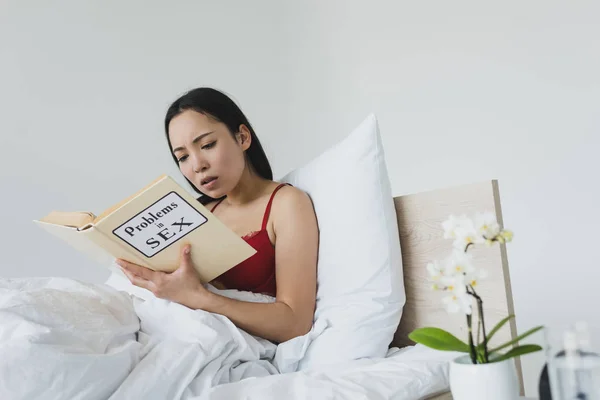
257,273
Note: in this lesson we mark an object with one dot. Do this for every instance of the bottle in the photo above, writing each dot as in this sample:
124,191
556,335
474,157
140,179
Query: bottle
575,371
544,391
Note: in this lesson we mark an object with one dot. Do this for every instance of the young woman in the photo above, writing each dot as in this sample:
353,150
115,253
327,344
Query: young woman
219,154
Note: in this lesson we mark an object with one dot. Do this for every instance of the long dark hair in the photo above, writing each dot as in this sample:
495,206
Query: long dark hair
220,107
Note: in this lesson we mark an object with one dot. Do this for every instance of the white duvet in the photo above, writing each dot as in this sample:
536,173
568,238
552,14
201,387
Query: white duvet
65,339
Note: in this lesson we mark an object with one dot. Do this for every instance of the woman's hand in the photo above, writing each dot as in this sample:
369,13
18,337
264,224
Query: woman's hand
182,286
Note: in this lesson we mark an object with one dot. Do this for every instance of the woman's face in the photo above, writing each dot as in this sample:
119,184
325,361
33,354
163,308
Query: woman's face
208,155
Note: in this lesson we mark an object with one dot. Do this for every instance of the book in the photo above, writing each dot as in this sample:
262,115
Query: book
150,228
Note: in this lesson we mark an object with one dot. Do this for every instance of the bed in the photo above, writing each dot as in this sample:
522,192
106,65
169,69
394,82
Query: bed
87,359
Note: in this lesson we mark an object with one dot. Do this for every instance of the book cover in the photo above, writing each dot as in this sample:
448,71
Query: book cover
150,228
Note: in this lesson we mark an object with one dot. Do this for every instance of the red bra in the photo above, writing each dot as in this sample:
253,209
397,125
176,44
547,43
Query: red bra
257,273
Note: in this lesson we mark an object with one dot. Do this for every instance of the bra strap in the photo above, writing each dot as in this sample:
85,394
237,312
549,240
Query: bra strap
268,209
215,206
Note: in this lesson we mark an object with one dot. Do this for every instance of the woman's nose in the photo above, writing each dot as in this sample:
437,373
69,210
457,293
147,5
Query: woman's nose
200,164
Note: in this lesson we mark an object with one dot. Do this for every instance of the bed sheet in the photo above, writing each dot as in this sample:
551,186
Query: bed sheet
414,372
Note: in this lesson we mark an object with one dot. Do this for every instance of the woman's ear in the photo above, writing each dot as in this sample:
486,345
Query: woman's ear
244,137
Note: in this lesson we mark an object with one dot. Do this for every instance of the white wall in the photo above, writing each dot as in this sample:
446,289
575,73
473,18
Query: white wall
464,91
84,88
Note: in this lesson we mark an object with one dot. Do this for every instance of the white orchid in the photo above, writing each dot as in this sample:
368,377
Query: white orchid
459,262
505,236
450,226
462,230
462,263
458,298
487,226
457,275
453,276
466,234
455,303
475,276
435,274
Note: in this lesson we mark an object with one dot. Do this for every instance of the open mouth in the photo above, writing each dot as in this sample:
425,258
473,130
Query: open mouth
208,180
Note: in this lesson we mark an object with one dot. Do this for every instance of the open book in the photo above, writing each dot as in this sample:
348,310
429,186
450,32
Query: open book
150,228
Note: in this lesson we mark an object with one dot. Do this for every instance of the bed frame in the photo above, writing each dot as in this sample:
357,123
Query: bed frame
421,238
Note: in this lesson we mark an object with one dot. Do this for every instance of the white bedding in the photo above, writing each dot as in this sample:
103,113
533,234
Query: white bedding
405,374
64,339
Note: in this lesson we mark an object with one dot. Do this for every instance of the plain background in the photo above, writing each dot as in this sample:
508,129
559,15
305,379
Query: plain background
464,91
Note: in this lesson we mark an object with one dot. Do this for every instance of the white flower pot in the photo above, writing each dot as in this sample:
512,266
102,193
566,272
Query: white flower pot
494,381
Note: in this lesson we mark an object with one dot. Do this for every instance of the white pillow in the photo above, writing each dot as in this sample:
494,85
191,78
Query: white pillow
360,283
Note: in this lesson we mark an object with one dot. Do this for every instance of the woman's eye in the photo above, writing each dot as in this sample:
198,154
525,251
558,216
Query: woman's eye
209,145
182,159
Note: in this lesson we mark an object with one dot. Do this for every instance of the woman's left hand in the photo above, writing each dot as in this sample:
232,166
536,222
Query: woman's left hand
181,286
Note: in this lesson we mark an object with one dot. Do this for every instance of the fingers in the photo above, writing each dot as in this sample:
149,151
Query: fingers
138,275
139,281
186,270
186,257
138,270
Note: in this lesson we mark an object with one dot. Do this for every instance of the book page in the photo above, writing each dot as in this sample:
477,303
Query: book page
74,219
93,243
79,241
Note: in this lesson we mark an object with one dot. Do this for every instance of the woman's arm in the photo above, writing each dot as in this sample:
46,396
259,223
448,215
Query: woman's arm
276,322
296,247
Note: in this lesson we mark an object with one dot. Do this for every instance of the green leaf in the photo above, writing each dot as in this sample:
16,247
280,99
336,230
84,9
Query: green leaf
480,356
438,339
497,327
515,340
517,351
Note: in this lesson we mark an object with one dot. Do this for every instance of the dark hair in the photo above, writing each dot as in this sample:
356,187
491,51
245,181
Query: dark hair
220,107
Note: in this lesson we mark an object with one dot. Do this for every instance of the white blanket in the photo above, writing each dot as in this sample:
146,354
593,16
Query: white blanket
410,373
73,340
65,339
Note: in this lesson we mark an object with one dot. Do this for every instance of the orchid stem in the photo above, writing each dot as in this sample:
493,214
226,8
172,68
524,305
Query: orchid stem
479,332
481,321
471,346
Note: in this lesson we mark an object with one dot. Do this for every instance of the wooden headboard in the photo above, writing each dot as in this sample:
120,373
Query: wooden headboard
420,218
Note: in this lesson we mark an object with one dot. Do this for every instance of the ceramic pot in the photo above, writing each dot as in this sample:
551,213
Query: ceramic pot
493,381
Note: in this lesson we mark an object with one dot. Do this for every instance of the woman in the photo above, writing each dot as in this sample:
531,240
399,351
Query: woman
218,152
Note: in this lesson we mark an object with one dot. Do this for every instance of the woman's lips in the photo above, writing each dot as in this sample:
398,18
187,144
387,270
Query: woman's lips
209,183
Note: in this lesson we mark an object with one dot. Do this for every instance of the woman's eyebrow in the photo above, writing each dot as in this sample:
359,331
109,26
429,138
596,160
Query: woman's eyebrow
193,141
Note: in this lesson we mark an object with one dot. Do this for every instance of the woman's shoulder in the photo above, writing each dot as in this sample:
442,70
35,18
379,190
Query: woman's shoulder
290,192
293,207
291,199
